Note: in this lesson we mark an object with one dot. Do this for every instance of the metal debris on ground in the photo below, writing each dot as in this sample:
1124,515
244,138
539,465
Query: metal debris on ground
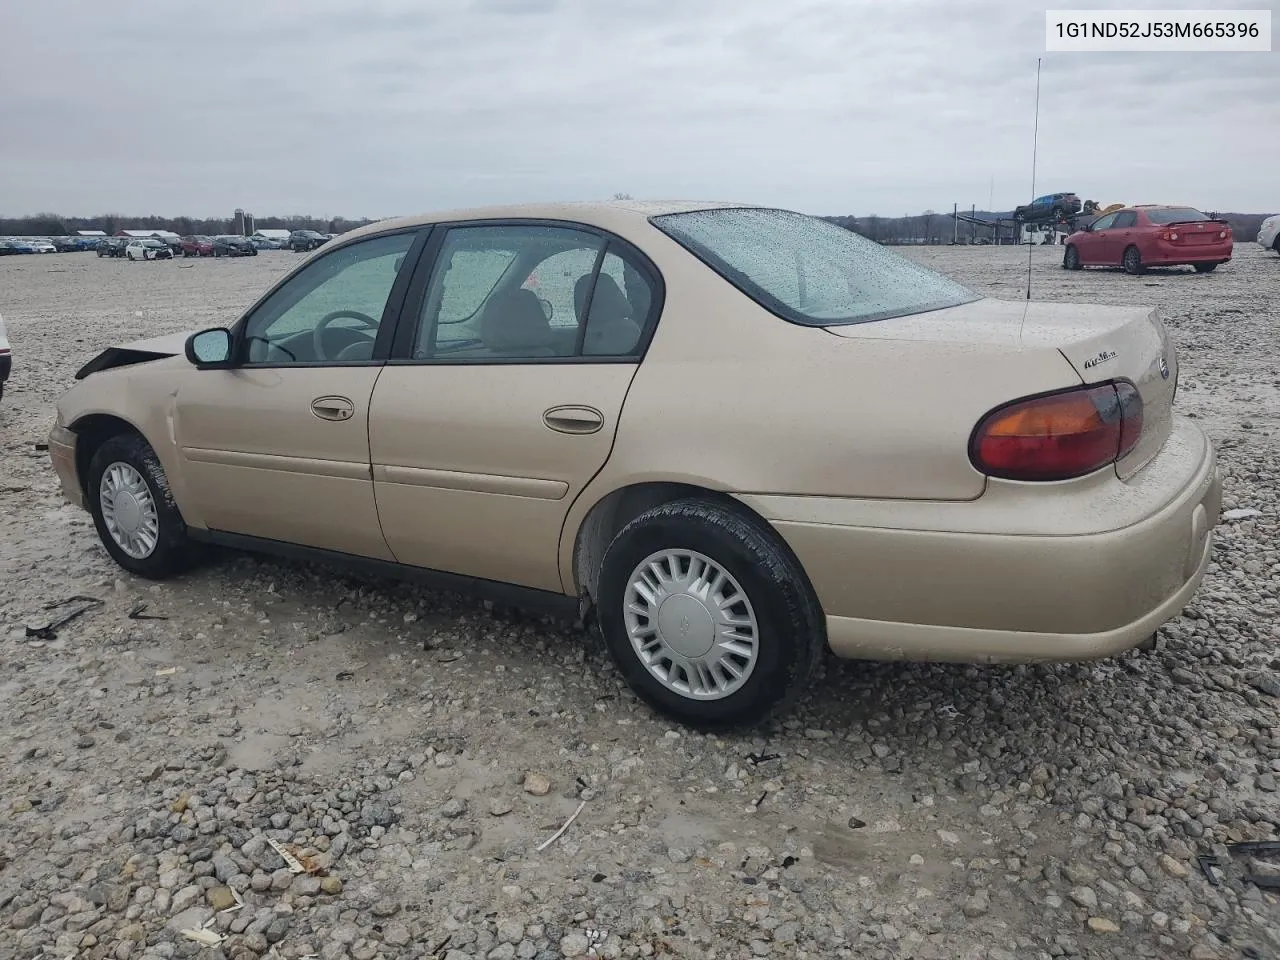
556,836
50,630
292,862
1257,848
1208,863
166,671
137,613
1241,513
208,938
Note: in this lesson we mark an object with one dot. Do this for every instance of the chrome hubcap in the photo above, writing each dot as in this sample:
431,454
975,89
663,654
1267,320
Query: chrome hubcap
691,624
129,510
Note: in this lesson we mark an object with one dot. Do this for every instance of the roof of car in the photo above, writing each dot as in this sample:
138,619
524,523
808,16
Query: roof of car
600,213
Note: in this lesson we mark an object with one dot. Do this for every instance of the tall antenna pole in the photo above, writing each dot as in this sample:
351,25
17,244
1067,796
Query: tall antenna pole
1035,142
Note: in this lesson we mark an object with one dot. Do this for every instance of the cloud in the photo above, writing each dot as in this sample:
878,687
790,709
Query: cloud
392,106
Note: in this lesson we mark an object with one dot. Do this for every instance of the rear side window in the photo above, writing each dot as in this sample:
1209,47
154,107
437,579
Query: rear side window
1176,215
807,270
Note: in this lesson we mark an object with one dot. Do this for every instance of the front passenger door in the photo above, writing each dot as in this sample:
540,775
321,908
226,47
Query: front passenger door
277,447
1093,245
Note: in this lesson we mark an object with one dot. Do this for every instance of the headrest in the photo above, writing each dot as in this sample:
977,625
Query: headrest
514,321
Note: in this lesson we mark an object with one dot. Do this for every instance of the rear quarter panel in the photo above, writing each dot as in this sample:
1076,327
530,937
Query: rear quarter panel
732,398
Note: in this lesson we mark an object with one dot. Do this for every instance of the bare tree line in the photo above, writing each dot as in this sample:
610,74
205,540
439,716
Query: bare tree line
929,227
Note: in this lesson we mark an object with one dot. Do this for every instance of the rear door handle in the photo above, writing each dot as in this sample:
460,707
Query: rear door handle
572,418
333,408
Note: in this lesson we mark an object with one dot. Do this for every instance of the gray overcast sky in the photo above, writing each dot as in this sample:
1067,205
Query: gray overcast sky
383,107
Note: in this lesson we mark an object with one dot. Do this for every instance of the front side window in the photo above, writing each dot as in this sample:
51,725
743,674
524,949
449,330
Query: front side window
1104,223
329,312
807,270
1125,218
531,292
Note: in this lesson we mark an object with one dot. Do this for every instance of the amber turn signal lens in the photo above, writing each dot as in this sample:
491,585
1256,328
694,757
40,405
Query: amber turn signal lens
1060,435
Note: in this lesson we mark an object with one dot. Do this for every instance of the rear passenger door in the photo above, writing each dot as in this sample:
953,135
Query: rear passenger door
1121,234
512,360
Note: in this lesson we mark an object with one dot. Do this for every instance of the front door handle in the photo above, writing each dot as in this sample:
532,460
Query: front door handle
333,408
572,418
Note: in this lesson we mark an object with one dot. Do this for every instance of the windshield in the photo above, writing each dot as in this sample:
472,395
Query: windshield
1176,215
807,270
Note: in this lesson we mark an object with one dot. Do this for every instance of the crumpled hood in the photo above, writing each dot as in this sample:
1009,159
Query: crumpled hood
137,351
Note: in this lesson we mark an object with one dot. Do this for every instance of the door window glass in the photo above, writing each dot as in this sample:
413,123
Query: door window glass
1104,223
505,291
332,309
1126,218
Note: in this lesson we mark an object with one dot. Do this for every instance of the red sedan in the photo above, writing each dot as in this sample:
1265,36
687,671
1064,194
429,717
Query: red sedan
197,246
1150,235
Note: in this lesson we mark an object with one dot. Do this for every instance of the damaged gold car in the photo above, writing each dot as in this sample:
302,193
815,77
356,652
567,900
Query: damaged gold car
737,435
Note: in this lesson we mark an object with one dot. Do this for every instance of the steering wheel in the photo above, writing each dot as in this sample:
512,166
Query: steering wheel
317,336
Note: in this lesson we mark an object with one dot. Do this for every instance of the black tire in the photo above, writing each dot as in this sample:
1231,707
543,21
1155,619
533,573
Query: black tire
1205,267
792,630
1071,258
1275,244
1132,261
1058,213
173,551
217,253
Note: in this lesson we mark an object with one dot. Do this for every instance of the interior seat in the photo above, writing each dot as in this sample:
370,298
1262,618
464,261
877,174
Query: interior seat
513,325
612,331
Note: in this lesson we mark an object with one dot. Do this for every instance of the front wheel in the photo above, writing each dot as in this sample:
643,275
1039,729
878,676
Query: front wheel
135,516
708,615
1071,258
1205,267
1132,261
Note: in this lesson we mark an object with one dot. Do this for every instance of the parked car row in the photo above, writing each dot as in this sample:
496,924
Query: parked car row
15,245
199,245
225,245
1150,235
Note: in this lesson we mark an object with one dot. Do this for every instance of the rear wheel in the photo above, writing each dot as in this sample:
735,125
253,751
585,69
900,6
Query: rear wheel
1205,267
709,617
1071,258
1132,261
1275,244
135,516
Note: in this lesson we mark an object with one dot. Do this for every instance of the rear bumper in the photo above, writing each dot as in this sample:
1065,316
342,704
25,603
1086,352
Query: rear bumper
1173,254
62,454
962,594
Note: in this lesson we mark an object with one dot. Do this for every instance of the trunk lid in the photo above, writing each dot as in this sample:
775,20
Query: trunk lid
1099,342
1196,233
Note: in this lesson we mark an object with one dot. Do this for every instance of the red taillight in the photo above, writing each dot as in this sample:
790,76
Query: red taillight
1060,435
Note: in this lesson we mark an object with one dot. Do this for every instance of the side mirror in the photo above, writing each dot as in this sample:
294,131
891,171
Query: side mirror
210,348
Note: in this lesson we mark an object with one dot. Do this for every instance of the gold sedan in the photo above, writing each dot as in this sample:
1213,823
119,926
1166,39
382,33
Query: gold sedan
738,436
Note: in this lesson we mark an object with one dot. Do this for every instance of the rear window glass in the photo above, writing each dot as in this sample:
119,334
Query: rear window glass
807,270
1177,215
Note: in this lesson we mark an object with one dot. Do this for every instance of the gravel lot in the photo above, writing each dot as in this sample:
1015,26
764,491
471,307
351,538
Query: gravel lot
418,748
